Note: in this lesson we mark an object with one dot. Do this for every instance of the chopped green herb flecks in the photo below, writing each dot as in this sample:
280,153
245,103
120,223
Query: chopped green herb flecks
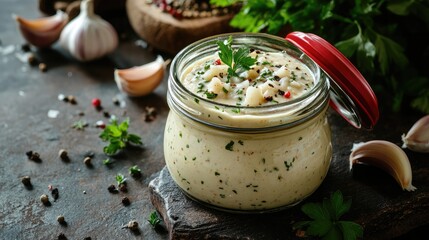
210,95
229,146
196,100
217,173
240,142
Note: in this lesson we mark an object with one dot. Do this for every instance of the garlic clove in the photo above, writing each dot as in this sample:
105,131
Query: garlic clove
417,138
42,32
141,80
387,156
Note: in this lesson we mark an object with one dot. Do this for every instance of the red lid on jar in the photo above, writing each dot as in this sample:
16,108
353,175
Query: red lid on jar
350,94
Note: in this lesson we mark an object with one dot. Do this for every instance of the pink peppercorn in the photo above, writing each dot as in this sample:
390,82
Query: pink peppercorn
96,102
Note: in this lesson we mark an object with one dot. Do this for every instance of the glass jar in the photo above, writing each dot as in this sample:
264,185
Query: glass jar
256,159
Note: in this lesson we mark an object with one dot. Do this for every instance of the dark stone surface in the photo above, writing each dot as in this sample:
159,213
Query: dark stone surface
378,203
26,96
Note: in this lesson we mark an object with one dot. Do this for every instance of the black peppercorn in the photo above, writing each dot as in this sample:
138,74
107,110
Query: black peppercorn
61,220
62,237
44,199
112,189
126,201
55,194
26,180
63,155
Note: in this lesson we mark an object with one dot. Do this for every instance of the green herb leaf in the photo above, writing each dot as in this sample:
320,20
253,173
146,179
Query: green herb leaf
237,59
154,219
210,95
350,230
134,170
325,219
118,137
120,179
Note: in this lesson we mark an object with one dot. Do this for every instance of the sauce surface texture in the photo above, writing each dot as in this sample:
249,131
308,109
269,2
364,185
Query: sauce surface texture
275,78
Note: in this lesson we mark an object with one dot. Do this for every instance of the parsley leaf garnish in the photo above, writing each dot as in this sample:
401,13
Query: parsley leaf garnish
154,219
326,221
118,137
120,179
229,146
238,60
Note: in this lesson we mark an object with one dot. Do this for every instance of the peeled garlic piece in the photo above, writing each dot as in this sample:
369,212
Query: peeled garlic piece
42,32
417,138
141,80
387,156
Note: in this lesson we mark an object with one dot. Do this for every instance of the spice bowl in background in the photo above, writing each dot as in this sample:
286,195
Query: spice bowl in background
244,157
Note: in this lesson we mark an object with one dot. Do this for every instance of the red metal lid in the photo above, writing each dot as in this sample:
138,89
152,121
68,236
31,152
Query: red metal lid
351,95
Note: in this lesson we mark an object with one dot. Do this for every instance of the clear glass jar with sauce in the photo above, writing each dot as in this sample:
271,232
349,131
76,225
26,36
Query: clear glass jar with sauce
260,158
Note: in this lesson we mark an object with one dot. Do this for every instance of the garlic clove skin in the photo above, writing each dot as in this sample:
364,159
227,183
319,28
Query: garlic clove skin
42,32
386,156
141,80
88,36
417,138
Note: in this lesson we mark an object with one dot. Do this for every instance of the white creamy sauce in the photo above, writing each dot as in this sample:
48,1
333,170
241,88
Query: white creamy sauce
276,77
253,171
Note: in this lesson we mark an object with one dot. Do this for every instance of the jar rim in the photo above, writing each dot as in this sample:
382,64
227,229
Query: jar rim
313,98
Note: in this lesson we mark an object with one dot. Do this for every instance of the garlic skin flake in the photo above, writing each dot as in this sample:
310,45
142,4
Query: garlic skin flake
386,156
141,80
417,138
88,36
42,32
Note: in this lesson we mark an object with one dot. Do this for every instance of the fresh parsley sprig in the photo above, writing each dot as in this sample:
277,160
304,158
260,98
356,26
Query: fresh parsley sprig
326,221
154,219
118,137
238,60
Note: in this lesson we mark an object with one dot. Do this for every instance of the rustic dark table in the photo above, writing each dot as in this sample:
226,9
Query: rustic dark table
28,94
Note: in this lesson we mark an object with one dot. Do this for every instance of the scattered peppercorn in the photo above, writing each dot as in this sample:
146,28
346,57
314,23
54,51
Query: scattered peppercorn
55,193
106,114
126,201
44,199
96,102
123,187
150,114
62,237
116,101
133,225
34,156
31,59
43,67
26,180
72,99
112,189
61,220
63,155
87,161
26,47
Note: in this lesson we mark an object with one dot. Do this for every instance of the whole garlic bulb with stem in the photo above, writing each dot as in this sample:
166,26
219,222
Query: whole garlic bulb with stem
88,36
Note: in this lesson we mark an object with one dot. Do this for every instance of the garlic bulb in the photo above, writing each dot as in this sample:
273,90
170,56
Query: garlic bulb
88,36
141,80
42,32
388,157
417,138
